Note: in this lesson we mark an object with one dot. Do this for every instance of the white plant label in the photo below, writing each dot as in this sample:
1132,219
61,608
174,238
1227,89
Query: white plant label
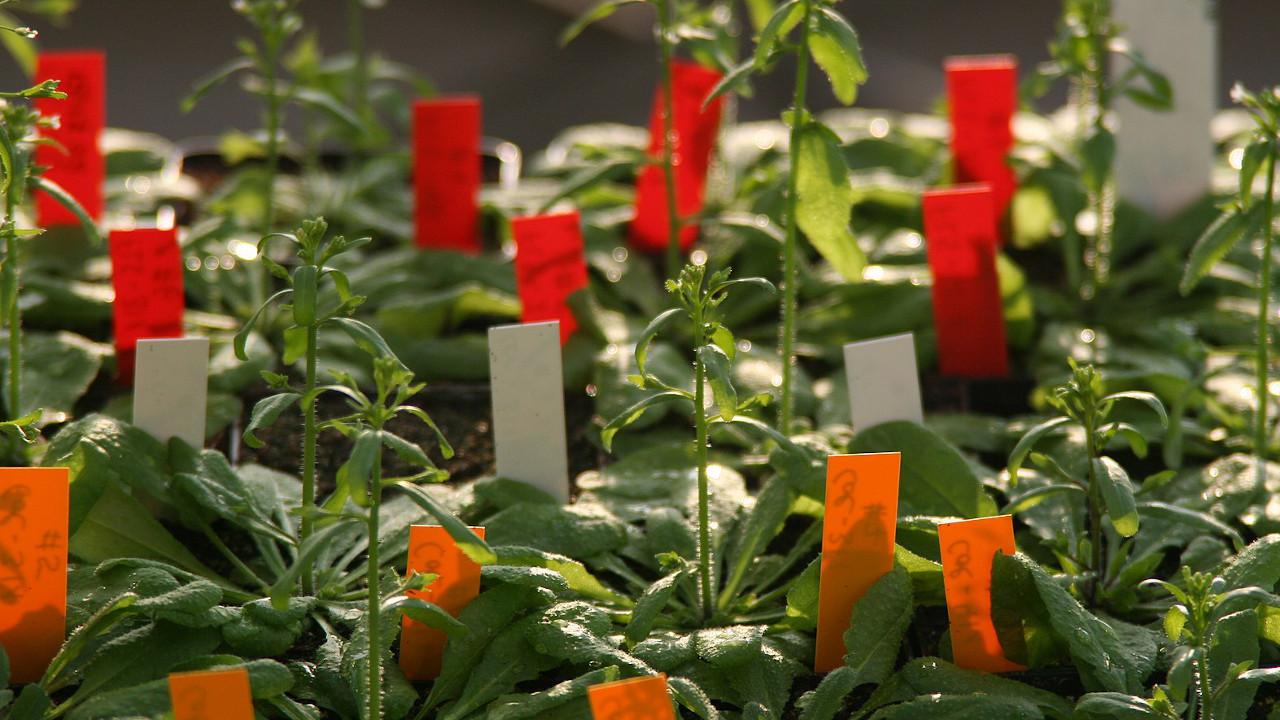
171,388
1164,160
883,382
526,377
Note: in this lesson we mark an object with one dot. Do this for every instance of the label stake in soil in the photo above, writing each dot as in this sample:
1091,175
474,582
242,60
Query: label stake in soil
694,134
982,93
549,268
1164,160
75,162
211,695
960,236
446,173
884,383
526,377
146,273
34,505
968,548
639,698
857,543
171,386
432,551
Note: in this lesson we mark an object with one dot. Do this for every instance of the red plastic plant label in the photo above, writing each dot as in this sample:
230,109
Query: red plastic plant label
446,173
75,162
34,503
857,543
146,272
982,92
211,695
968,314
432,551
638,698
968,548
693,136
549,268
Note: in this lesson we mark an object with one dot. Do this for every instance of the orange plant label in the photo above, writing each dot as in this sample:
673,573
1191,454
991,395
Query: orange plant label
857,543
211,695
968,547
432,551
640,698
76,162
549,268
33,567
446,173
146,272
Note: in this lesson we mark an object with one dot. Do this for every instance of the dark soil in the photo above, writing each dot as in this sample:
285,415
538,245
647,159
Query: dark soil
462,411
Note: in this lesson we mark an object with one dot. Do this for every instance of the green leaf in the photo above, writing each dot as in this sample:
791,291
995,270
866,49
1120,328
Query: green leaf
597,13
365,337
304,280
1235,640
1117,495
1214,244
633,413
823,702
57,370
508,660
651,332
1098,156
1146,398
576,531
242,336
733,81
650,605
265,412
802,598
936,480
471,544
140,655
353,476
1096,650
1029,440
836,50
929,676
576,643
213,79
1257,565
718,372
690,695
285,585
534,705
426,613
325,102
825,201
961,707
782,22
68,201
1254,155
880,620
1193,518
1114,706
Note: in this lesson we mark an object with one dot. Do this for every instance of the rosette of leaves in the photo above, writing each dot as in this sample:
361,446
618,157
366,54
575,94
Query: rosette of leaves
1248,216
305,317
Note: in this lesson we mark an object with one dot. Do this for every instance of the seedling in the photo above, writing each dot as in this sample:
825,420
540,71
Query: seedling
1247,217
714,348
303,290
1087,40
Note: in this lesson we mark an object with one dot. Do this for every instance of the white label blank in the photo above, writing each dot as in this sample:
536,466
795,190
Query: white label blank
171,388
883,381
526,378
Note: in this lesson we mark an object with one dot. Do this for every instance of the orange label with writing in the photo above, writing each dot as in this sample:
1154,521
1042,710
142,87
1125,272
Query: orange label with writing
641,698
33,567
857,543
432,551
211,695
968,547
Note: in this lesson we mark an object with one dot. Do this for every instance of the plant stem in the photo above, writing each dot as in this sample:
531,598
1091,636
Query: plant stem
309,434
704,494
374,595
1094,503
270,71
666,10
360,68
790,279
12,312
1260,435
1206,691
1096,102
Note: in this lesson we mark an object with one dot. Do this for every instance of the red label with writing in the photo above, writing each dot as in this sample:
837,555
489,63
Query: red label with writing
146,271
982,92
968,315
446,173
34,504
693,135
433,551
75,162
549,268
